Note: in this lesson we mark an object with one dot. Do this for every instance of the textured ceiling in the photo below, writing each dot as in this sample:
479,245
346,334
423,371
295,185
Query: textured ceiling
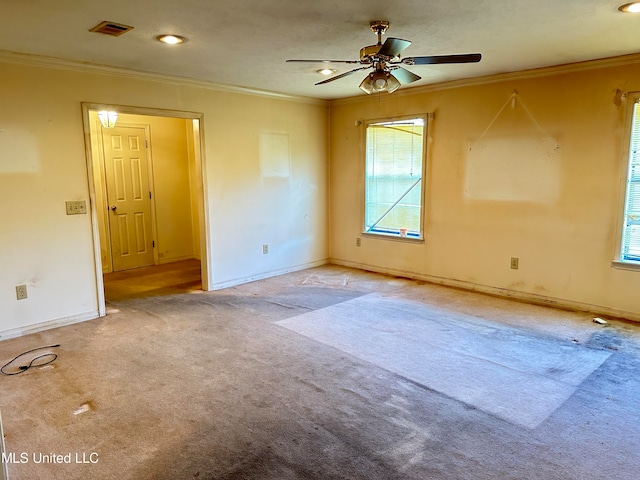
246,42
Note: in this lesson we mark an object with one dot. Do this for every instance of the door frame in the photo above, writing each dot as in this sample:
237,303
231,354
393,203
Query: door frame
91,156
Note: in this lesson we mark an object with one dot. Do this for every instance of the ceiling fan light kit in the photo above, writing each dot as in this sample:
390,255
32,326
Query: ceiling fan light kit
378,82
384,58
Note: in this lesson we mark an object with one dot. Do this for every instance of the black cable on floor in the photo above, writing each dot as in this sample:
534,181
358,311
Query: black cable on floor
24,368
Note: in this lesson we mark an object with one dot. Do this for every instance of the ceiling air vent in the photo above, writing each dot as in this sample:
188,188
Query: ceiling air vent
111,28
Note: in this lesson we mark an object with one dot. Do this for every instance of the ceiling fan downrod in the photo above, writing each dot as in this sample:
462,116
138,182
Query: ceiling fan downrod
379,27
368,53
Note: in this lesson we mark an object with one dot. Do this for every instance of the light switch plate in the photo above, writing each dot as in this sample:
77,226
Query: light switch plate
76,207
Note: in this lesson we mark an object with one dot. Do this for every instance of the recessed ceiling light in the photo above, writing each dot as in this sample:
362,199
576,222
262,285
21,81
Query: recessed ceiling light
326,71
630,7
171,39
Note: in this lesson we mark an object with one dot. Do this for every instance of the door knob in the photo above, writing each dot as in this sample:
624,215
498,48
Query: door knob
114,208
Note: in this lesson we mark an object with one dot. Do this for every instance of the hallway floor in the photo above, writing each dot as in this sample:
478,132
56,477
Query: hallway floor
157,280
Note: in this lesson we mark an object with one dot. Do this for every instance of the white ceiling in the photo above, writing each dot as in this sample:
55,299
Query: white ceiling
246,42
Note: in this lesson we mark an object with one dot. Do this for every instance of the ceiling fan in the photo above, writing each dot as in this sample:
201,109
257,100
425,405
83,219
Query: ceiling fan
384,58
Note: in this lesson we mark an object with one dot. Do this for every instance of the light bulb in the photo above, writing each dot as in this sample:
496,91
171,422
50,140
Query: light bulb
170,39
379,84
108,118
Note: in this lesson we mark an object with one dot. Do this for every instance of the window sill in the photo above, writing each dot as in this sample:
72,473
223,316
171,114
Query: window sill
635,266
393,237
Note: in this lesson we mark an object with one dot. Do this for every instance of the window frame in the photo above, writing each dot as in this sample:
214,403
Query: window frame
389,234
632,98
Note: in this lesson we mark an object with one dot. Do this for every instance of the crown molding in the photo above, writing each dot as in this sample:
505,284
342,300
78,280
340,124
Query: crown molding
600,63
59,63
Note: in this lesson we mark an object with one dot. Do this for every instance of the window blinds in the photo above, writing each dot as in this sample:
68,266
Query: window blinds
631,226
394,173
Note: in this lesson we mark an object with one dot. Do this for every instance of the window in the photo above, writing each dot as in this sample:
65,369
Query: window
395,167
630,248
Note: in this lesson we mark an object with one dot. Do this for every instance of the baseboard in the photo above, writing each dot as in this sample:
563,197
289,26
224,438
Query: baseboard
47,325
262,276
497,291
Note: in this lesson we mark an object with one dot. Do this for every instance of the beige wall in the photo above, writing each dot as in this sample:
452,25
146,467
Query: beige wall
43,163
558,214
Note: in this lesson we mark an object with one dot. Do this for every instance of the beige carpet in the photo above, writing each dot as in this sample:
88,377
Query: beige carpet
185,384
516,375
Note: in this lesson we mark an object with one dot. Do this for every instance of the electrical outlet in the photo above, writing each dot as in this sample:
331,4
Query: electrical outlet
21,292
514,263
265,248
358,241
76,207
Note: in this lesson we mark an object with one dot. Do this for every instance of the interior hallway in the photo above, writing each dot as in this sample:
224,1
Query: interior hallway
327,373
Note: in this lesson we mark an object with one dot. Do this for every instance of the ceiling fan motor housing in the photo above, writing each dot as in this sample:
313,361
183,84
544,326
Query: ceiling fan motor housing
367,52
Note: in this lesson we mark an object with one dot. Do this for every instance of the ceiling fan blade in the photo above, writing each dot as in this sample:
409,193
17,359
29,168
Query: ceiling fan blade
342,75
436,59
325,61
393,46
404,75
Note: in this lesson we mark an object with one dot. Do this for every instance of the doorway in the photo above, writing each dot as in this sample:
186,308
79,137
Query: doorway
147,191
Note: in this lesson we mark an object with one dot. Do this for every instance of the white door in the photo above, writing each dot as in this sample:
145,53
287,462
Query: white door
128,196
